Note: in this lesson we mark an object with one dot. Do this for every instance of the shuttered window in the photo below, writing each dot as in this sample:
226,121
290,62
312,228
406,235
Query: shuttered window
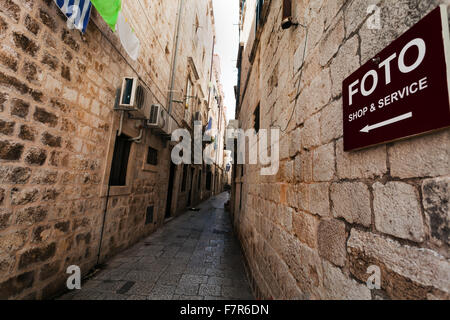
119,166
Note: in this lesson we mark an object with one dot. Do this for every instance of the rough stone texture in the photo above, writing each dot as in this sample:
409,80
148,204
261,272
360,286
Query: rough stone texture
351,201
397,211
305,227
368,163
339,286
410,271
436,202
324,163
396,191
331,238
428,156
58,128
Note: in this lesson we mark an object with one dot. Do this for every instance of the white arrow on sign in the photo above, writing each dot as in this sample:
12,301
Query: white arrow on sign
369,128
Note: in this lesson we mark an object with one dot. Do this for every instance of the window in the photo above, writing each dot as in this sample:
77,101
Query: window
259,7
287,10
152,156
257,118
184,180
149,215
199,180
208,178
119,166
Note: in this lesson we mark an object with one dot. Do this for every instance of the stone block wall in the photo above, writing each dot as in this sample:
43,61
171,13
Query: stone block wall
313,230
58,129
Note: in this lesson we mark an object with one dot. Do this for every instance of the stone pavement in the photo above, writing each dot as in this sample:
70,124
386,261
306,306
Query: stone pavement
193,257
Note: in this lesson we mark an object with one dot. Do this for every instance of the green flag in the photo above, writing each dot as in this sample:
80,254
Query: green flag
109,10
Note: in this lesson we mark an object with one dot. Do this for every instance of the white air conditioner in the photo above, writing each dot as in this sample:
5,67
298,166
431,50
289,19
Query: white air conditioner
160,120
135,98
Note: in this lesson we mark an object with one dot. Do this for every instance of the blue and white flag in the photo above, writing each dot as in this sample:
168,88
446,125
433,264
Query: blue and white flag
77,12
209,127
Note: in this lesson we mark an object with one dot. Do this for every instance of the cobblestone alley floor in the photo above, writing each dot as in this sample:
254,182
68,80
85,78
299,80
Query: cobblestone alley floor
193,257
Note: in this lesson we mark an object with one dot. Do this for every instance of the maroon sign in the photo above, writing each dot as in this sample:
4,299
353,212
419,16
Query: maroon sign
404,90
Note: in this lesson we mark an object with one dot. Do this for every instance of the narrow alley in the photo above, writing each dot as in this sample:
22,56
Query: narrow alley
193,257
224,150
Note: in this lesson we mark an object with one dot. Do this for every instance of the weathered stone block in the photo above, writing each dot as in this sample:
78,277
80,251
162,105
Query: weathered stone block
344,64
25,196
331,42
26,44
351,201
19,108
10,151
6,127
45,117
14,175
13,241
51,140
27,133
36,156
331,239
397,211
310,133
41,234
10,9
50,61
426,156
305,228
339,286
32,72
47,19
407,272
436,202
32,25
367,163
331,125
36,255
16,285
32,215
319,197
49,270
324,163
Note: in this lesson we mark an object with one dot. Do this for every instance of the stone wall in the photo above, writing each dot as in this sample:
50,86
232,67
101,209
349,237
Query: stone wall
58,129
312,231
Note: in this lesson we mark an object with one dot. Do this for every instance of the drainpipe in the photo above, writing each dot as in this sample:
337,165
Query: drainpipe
175,55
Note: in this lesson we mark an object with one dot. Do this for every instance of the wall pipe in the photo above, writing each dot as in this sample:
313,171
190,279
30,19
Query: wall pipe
175,55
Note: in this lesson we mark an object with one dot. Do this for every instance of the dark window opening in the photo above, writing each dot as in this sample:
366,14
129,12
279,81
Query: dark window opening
184,180
287,10
119,166
149,215
257,118
199,180
259,11
208,179
152,156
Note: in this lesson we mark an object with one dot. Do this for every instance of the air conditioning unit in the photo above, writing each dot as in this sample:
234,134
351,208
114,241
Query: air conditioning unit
198,116
135,98
160,120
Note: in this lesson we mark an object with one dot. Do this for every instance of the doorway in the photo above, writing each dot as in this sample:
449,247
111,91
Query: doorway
170,190
191,190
